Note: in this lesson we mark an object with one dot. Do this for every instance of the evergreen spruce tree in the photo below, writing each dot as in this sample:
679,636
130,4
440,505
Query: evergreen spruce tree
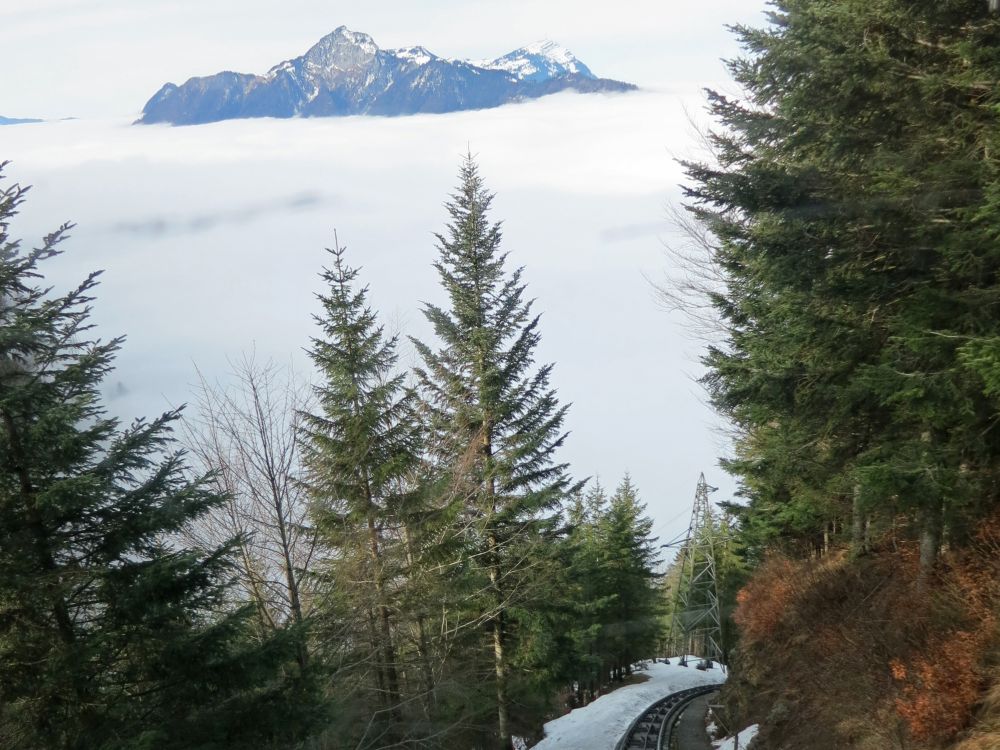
591,590
628,564
496,422
112,635
614,601
360,447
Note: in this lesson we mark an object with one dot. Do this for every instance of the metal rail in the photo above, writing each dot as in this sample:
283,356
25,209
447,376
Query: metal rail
651,730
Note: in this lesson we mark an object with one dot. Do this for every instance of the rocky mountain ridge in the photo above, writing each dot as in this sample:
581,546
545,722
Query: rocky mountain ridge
347,73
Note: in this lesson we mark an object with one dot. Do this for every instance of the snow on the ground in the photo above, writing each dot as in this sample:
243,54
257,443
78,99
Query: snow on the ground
599,725
729,743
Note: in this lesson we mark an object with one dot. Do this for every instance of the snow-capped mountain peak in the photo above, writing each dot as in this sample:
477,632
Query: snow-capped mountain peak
537,61
342,49
551,50
344,36
417,55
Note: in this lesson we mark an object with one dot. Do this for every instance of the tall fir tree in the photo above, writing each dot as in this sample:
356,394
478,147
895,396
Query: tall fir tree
112,635
628,563
590,589
360,447
496,423
611,571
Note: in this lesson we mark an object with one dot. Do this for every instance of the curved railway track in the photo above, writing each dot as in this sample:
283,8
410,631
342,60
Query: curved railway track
651,730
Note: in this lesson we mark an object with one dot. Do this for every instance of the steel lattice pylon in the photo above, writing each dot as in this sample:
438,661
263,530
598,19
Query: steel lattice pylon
696,623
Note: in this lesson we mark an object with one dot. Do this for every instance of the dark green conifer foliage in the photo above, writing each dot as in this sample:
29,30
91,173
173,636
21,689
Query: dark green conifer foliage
360,447
496,423
609,590
591,592
111,635
628,564
854,203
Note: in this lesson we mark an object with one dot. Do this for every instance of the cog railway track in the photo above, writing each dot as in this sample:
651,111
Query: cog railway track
652,729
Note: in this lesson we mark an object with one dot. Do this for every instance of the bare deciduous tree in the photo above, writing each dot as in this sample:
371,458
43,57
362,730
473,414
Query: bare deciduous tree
245,435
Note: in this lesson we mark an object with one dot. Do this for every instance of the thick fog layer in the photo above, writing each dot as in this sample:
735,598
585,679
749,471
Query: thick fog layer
212,238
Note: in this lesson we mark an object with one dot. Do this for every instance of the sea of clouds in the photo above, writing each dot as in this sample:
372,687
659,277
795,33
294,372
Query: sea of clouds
212,238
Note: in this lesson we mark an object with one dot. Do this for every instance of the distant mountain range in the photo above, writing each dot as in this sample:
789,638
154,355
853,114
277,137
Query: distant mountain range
346,73
16,120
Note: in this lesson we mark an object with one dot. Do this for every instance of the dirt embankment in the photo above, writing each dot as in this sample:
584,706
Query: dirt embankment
844,653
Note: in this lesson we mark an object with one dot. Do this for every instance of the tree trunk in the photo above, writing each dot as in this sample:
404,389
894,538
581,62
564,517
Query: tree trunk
428,699
272,463
295,602
388,651
859,524
254,583
499,636
377,672
499,655
930,541
423,651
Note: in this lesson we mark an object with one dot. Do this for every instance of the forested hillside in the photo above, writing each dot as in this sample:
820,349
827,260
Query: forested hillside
852,257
